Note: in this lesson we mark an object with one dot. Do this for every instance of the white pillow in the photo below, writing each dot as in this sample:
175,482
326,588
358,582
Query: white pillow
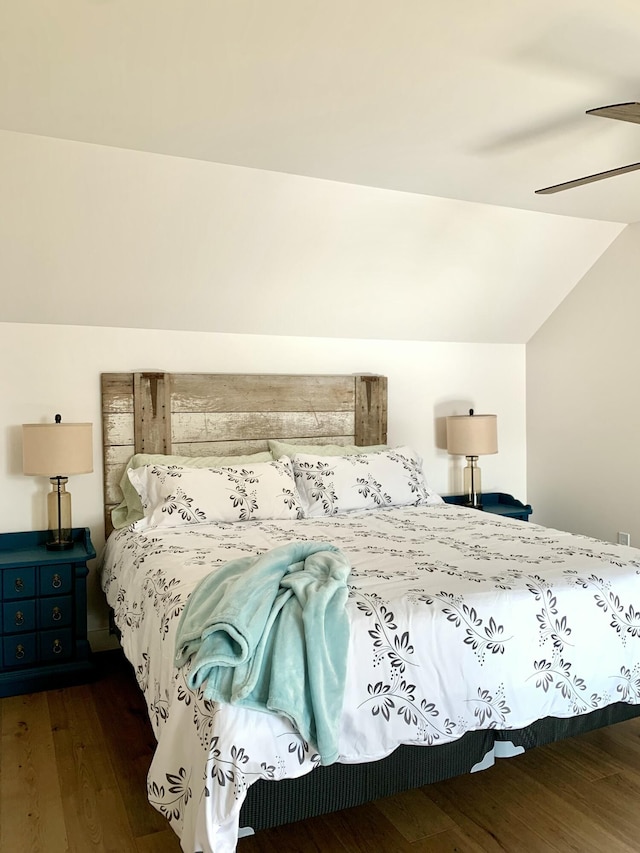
129,508
331,485
173,496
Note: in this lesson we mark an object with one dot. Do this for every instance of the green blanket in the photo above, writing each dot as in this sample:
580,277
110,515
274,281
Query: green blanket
271,633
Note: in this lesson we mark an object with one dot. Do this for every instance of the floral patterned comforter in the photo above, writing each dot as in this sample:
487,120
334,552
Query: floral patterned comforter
460,620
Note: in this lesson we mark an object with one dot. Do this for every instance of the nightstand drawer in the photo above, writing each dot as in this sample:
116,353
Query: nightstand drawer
55,611
55,645
19,650
19,616
19,583
54,580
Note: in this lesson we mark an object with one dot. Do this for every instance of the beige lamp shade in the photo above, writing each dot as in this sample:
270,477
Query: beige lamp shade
54,450
472,435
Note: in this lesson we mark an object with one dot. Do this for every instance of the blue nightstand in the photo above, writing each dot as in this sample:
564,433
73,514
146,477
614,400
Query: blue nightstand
497,503
43,612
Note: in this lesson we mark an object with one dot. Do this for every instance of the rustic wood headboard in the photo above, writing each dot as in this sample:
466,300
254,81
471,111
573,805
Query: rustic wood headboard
220,414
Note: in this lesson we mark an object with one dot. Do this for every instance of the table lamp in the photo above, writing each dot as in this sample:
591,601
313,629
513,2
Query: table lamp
55,451
472,436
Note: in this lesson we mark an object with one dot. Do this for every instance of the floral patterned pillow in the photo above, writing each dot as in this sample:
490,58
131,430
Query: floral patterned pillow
332,485
173,496
129,509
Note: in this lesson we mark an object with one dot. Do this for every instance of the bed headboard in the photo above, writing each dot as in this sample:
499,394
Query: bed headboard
220,414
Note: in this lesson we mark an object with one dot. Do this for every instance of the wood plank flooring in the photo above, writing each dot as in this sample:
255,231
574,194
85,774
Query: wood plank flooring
73,764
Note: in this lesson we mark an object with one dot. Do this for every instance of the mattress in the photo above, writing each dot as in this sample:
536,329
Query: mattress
460,622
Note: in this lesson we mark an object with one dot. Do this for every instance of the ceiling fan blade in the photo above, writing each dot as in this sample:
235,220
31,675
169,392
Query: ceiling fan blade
623,112
589,179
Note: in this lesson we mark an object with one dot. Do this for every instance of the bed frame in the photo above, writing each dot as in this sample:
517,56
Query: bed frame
228,414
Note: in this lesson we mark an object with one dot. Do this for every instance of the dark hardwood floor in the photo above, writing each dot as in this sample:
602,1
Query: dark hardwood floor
73,764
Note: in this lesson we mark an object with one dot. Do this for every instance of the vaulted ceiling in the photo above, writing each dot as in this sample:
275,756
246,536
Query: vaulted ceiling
376,156
479,101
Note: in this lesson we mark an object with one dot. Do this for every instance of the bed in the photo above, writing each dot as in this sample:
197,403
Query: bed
471,636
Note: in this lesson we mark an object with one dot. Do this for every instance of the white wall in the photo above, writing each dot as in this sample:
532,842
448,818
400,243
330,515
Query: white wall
583,405
46,369
91,235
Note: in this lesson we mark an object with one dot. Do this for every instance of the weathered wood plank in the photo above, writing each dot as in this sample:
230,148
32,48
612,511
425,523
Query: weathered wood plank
109,507
371,410
235,448
118,429
119,454
225,426
117,434
261,392
112,476
108,525
152,412
327,439
117,392
219,448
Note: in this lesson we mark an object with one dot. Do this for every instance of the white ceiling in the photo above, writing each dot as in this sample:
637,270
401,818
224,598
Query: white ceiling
481,100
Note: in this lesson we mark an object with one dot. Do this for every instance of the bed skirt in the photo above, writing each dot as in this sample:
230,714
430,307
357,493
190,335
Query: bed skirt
341,786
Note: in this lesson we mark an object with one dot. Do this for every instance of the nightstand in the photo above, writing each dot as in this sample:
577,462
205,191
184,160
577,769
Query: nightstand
497,503
43,612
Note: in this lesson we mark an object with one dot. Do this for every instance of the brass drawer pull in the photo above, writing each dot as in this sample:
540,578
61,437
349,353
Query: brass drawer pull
19,618
57,647
19,584
56,581
56,614
19,651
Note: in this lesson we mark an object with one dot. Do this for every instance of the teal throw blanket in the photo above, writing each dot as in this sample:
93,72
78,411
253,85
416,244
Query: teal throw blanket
272,633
